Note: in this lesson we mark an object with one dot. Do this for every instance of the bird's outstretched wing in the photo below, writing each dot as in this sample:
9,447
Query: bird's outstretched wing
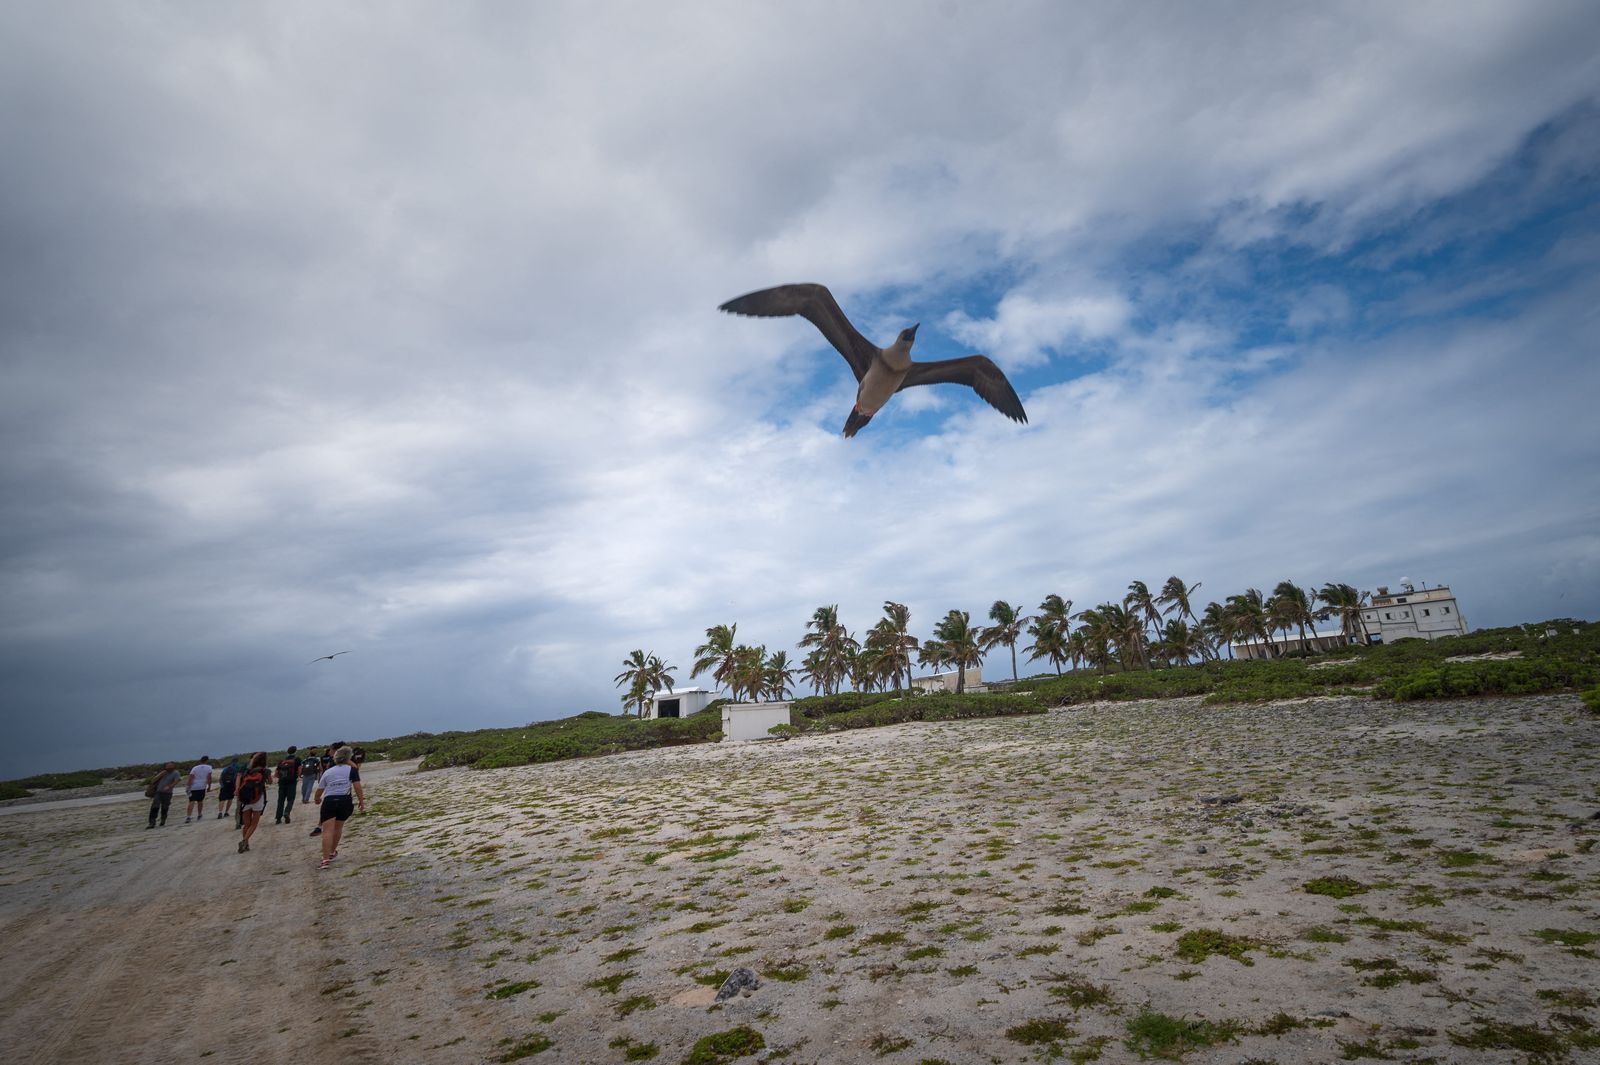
977,372
816,305
327,658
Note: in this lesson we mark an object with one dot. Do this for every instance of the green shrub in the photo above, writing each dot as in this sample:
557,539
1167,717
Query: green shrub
940,706
1591,699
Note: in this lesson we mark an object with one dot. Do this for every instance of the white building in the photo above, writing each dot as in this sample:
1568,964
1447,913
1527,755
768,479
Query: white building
1429,614
742,722
946,682
680,703
1320,641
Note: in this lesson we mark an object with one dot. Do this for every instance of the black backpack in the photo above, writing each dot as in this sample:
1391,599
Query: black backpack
289,768
250,787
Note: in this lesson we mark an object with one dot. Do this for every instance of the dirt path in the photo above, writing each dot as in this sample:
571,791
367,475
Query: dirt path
133,945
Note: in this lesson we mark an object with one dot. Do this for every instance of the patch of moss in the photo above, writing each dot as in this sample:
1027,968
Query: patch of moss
1335,887
1199,944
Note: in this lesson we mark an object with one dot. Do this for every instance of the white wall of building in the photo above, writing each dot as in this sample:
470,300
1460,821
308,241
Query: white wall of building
742,722
681,703
1429,614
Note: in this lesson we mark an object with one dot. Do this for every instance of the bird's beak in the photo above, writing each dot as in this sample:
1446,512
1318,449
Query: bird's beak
914,331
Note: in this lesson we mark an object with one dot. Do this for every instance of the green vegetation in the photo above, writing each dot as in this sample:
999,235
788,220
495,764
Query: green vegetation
1199,944
1156,1034
723,1047
1335,887
848,710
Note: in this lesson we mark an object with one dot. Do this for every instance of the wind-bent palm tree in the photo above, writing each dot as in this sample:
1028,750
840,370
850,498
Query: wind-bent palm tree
1050,630
777,677
1050,640
1248,612
1179,642
898,617
836,644
1219,628
1144,608
716,654
645,675
1291,608
814,671
1349,604
1176,594
1006,630
748,674
960,642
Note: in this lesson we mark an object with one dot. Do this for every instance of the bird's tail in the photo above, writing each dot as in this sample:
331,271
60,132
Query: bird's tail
853,424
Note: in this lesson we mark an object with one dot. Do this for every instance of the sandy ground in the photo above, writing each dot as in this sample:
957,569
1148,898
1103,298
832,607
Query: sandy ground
994,891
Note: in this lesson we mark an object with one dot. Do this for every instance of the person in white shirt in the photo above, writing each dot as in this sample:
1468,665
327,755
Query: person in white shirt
334,791
199,784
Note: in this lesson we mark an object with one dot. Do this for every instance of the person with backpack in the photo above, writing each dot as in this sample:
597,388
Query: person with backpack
288,774
310,770
253,796
334,792
226,784
159,792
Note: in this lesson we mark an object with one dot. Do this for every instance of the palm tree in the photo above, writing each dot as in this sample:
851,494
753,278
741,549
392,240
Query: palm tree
1291,607
1219,628
777,677
1144,608
1248,612
748,675
716,654
1005,631
1049,631
1095,634
1050,640
1176,594
898,615
1344,600
814,671
1179,642
961,644
836,644
645,675
637,696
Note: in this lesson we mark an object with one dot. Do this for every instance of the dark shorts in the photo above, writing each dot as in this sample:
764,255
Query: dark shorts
226,793
338,808
197,795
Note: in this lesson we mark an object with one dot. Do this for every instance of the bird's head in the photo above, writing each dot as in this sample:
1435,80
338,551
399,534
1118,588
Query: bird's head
909,336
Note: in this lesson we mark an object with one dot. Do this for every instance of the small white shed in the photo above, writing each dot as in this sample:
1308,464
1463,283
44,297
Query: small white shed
742,722
680,703
946,682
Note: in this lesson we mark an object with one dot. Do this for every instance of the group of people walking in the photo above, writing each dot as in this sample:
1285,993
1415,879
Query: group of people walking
332,780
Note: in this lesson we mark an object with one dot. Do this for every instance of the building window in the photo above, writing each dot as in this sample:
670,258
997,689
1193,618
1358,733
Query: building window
1427,613
1388,616
1447,610
1400,600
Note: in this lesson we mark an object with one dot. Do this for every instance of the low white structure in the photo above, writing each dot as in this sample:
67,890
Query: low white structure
1430,614
1320,641
946,682
680,703
742,722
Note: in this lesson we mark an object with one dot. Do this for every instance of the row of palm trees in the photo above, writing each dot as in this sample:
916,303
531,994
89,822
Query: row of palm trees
1145,630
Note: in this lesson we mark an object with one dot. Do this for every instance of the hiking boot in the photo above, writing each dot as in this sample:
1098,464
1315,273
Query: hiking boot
317,831
186,820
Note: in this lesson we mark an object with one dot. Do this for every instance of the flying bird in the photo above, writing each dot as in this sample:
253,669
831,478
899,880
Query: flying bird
327,658
881,371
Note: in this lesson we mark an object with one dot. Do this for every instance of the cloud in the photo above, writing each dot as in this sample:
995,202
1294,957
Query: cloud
400,334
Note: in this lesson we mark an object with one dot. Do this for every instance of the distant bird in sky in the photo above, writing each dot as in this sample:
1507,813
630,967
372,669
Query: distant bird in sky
881,371
327,658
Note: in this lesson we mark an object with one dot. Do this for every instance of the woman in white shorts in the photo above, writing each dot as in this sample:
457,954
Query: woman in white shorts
253,796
